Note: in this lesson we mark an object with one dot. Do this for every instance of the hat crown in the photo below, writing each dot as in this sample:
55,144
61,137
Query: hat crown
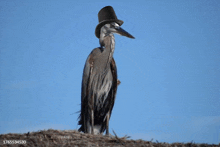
107,13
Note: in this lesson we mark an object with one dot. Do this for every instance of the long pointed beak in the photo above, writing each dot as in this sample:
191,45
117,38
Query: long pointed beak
122,32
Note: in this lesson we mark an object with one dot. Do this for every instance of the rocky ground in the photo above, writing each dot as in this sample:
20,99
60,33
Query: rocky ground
73,138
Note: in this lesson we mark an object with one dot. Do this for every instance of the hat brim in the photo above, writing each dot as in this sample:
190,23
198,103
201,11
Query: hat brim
98,27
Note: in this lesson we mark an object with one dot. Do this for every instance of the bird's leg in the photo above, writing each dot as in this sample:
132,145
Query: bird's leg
92,115
84,123
92,123
107,124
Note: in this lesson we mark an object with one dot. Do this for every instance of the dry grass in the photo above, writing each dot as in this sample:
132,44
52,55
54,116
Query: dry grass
73,138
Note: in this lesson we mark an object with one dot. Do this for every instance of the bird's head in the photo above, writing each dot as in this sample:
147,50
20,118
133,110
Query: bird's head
113,27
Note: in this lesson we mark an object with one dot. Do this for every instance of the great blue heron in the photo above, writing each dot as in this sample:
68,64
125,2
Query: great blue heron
99,83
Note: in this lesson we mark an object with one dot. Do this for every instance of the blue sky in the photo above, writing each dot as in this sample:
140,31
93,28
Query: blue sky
170,72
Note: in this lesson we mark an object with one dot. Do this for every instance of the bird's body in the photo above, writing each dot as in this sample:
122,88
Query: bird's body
99,83
100,66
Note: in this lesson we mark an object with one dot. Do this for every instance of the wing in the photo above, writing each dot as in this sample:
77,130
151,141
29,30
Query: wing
85,78
87,73
114,85
84,89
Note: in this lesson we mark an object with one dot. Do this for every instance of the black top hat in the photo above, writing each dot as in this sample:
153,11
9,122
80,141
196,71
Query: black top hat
106,15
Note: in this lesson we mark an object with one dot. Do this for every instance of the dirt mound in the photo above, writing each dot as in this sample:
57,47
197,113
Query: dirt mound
51,138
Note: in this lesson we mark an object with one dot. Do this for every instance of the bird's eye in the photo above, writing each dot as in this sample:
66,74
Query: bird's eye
114,25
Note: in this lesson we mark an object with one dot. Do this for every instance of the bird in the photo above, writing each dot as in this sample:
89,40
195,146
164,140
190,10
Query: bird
100,81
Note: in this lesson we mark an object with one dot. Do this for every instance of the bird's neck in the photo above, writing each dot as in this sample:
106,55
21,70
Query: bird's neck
107,43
